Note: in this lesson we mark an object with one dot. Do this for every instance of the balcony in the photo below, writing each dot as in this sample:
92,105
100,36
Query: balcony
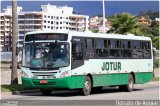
32,19
1,29
33,24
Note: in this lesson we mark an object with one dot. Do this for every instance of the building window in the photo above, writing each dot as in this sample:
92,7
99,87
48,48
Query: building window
48,16
60,17
44,26
44,21
52,27
51,17
60,22
44,16
48,21
48,26
21,32
51,22
57,23
60,27
21,37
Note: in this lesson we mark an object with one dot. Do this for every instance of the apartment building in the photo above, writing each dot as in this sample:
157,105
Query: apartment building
27,22
6,28
50,17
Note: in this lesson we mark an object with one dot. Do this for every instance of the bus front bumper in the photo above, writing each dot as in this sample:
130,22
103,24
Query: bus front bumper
66,83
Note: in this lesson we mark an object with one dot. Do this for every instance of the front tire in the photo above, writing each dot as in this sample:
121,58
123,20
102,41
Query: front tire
87,86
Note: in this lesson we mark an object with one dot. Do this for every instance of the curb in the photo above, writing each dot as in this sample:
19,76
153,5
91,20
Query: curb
6,93
20,92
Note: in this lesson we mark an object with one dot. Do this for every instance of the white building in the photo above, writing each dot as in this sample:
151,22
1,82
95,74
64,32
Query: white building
50,17
6,28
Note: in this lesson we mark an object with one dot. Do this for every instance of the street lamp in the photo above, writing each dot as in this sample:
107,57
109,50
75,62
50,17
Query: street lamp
103,3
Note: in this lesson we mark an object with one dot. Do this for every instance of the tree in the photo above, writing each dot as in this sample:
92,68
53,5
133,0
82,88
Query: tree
125,23
152,32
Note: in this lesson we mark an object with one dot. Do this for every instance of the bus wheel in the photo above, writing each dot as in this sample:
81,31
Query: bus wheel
129,86
87,86
46,92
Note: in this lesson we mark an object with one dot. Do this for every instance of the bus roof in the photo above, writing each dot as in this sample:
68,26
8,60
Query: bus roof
90,34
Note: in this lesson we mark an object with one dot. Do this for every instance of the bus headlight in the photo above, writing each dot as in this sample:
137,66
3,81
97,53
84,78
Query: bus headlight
64,74
24,74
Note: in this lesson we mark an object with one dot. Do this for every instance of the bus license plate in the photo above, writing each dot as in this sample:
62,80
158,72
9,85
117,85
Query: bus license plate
43,81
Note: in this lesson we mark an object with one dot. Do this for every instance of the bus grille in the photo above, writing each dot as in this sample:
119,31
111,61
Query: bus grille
44,73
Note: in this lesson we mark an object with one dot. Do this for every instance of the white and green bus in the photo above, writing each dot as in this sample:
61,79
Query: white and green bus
84,60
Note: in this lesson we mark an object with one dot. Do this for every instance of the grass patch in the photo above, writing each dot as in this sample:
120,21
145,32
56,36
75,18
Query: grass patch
155,79
11,88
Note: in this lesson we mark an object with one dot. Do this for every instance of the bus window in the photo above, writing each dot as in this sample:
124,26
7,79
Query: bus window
99,43
77,55
89,43
100,52
113,44
77,51
89,50
126,52
114,52
137,51
146,50
118,44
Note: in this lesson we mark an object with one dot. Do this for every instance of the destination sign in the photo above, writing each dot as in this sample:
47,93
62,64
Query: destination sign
52,36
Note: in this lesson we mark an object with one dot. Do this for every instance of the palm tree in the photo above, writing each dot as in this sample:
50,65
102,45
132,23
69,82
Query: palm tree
125,23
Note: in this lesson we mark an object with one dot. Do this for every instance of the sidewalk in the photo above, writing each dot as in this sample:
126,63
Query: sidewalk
5,77
156,72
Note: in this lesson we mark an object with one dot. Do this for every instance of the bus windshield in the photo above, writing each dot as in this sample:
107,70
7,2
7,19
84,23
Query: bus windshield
45,55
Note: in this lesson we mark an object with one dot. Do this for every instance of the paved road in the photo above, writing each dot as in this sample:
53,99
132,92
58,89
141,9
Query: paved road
148,91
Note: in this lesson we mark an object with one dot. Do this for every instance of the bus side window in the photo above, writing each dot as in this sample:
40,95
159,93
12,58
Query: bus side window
89,48
77,51
77,54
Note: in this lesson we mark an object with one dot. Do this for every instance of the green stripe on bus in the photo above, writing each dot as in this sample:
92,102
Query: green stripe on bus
143,77
74,82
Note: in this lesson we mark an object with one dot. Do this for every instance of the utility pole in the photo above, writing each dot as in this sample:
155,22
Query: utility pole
14,78
104,28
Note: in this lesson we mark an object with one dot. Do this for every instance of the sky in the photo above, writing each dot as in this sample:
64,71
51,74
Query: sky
91,8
